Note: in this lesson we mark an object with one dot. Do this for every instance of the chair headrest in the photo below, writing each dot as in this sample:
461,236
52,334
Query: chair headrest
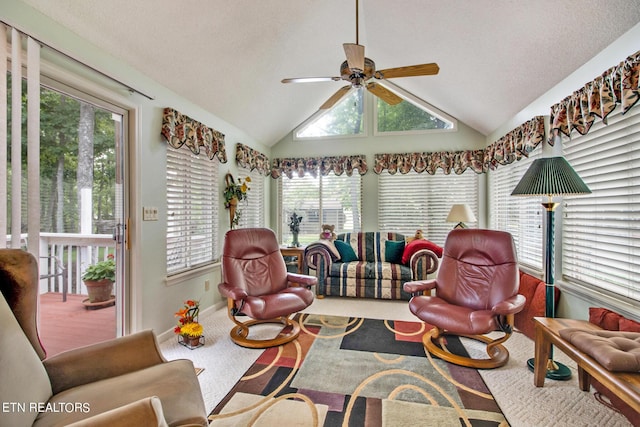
480,247
250,243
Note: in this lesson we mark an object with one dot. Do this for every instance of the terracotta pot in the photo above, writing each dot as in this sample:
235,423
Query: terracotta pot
99,290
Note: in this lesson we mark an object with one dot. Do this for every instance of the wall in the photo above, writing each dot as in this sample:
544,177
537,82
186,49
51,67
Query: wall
153,302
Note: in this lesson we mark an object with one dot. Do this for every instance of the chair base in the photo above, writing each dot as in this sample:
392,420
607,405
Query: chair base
240,332
498,354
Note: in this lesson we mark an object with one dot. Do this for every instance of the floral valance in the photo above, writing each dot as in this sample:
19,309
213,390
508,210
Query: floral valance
251,159
456,161
318,165
617,85
179,129
516,144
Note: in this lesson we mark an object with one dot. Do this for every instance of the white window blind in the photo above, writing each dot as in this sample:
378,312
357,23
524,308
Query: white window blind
192,204
329,199
521,216
601,230
415,201
252,209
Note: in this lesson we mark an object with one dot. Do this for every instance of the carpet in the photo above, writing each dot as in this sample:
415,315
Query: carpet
357,372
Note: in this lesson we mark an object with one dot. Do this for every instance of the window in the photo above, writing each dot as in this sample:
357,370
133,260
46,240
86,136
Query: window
521,216
411,115
326,199
192,203
414,201
601,231
346,118
252,209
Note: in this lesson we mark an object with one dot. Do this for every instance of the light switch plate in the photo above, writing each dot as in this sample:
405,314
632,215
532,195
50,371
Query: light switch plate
149,213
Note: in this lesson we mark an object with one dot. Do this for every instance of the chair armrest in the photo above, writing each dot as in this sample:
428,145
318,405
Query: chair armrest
143,412
103,360
512,305
419,286
316,251
302,279
423,263
229,291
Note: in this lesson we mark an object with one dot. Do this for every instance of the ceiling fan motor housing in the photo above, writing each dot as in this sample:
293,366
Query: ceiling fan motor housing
357,77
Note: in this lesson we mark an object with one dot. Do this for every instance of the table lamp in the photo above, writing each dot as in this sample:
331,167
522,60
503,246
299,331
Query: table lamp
461,214
550,176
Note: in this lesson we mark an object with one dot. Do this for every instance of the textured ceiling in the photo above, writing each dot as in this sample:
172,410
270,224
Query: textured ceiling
495,56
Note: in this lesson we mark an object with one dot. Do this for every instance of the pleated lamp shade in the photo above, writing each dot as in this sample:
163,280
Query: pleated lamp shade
550,176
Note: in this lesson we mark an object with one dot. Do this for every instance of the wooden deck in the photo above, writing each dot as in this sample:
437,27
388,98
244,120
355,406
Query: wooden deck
67,325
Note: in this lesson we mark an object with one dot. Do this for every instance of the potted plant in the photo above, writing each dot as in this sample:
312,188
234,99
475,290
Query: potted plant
99,278
188,328
234,193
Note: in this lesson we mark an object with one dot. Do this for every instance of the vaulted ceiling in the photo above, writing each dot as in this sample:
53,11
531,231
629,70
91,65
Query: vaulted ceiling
229,56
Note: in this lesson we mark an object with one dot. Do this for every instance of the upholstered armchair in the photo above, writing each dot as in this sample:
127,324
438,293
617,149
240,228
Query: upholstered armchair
125,381
257,285
476,292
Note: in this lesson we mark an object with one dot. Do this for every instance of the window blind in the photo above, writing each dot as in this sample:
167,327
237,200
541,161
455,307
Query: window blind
601,231
252,209
521,216
329,199
413,201
192,210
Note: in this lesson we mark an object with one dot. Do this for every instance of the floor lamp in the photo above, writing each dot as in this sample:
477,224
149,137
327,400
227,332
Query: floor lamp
550,176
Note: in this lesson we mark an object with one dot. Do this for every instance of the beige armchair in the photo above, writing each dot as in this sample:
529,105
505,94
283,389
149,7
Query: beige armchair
125,381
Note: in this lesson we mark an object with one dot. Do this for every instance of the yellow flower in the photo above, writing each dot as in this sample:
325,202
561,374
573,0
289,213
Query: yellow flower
193,329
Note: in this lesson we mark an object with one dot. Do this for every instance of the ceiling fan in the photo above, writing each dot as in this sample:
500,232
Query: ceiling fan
361,71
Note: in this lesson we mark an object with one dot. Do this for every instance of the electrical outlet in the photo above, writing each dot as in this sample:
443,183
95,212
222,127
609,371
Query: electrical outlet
149,213
207,285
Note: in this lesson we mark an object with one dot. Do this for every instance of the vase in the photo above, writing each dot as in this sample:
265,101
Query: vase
99,290
191,342
295,242
233,205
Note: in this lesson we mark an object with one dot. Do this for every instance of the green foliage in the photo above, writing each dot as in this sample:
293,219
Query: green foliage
101,270
406,117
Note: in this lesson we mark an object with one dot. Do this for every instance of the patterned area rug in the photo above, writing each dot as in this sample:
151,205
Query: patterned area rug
357,372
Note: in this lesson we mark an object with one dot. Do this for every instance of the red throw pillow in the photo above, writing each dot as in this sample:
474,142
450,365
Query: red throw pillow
629,325
415,245
604,318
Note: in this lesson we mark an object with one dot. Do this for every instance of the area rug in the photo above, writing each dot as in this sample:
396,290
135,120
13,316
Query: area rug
357,372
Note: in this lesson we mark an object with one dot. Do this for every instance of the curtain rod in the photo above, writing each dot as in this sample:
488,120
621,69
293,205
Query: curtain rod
77,61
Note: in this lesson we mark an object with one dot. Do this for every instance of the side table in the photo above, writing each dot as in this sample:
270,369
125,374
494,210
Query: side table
298,254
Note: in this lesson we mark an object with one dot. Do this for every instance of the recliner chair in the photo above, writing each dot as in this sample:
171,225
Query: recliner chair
476,293
120,382
257,285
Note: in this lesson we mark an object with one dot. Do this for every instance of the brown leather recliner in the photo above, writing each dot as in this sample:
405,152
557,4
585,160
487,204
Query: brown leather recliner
120,382
256,284
476,293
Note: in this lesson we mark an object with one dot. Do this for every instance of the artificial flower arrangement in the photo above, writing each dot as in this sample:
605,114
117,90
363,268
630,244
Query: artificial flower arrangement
188,320
234,193
101,270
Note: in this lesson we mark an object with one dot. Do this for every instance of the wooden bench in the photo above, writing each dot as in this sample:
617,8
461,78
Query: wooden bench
625,385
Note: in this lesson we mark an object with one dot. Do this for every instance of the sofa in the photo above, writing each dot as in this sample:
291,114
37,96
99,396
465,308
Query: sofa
121,382
372,264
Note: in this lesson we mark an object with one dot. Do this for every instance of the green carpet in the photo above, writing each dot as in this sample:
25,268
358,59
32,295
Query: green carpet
357,372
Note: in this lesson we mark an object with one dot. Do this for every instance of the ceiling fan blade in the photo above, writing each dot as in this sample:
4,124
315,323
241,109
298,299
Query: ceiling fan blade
311,79
335,97
408,71
383,93
355,56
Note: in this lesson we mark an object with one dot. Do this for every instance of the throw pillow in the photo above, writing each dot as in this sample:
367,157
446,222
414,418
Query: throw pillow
347,254
604,318
415,245
629,325
393,251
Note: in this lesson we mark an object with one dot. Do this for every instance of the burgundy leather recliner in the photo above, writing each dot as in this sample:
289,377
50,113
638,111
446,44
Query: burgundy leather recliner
476,293
256,284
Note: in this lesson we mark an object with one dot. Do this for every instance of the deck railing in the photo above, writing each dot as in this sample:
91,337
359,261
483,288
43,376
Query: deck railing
65,256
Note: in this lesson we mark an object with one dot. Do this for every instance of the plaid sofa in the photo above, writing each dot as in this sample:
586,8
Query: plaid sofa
371,275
